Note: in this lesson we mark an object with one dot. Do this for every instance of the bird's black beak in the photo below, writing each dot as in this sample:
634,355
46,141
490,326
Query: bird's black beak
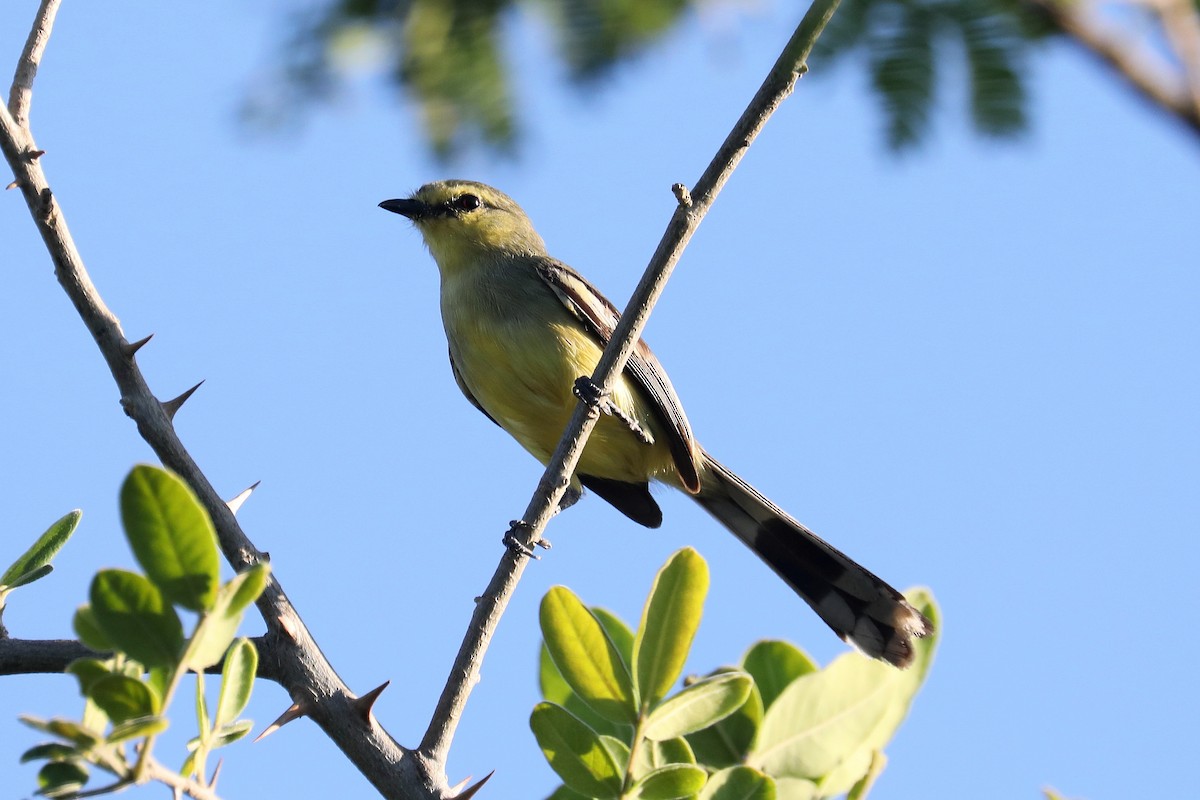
413,209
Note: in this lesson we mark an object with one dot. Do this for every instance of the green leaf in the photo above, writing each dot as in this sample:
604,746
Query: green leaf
137,729
618,750
72,732
652,755
130,613
24,579
123,698
669,783
203,724
618,632
228,734
566,793
49,751
172,536
774,664
575,752
796,789
669,622
863,786
587,659
219,626
726,743
826,725
41,552
902,72
88,671
699,705
88,629
59,778
738,783
237,681
555,690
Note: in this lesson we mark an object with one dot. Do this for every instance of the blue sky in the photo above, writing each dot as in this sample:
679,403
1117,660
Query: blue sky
971,368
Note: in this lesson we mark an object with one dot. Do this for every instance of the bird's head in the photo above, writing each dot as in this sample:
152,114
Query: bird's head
464,221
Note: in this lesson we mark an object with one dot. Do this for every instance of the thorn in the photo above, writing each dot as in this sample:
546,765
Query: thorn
212,782
294,712
236,503
133,347
12,185
172,406
34,155
364,704
469,793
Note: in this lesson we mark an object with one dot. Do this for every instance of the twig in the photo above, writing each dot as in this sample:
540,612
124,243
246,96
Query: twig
1130,65
490,606
302,669
21,94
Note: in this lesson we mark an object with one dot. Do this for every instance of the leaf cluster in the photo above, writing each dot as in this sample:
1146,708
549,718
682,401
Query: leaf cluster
774,726
135,618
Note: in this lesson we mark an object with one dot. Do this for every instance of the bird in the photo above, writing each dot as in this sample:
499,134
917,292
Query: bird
522,327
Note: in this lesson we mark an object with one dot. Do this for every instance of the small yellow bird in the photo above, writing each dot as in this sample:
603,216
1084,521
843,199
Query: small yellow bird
522,327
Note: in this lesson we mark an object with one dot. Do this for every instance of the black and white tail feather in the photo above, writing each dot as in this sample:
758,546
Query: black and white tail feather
860,608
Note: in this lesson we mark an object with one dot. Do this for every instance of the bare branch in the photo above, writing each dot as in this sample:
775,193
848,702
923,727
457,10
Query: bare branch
293,654
690,211
21,94
1131,64
35,656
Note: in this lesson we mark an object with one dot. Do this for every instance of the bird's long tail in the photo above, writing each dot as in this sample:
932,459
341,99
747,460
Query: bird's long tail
861,609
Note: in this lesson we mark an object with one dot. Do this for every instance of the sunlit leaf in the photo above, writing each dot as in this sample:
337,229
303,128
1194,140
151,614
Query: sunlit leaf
669,622
172,536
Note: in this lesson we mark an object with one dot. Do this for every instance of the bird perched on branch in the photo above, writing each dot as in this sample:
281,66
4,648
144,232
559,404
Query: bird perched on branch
523,327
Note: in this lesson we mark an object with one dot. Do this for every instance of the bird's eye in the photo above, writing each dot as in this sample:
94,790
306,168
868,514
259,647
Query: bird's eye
466,202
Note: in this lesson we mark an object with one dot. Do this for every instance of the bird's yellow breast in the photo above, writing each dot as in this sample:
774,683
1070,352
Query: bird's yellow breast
519,352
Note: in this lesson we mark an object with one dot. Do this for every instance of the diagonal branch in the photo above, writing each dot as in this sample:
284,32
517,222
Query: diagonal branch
1129,63
21,94
690,211
302,669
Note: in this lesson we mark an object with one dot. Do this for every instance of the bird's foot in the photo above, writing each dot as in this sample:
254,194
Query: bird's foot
587,391
513,541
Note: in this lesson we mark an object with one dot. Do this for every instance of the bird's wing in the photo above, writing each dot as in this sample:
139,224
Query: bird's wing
599,317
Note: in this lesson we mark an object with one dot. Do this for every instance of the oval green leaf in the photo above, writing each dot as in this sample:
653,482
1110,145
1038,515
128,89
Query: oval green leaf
49,751
671,782
698,706
137,729
88,630
738,783
669,622
60,778
130,613
774,664
219,626
231,733
618,632
42,551
575,752
88,671
123,698
171,536
653,755
73,732
237,680
726,743
586,658
826,725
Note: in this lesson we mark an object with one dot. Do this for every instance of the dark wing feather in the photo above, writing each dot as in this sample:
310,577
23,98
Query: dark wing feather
600,317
